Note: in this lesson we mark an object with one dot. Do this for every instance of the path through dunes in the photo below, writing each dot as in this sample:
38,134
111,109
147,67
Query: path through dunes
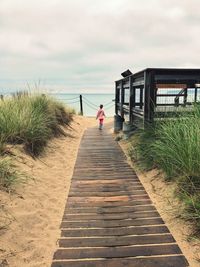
109,219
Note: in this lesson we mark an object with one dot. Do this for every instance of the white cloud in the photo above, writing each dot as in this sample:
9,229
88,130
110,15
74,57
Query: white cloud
88,43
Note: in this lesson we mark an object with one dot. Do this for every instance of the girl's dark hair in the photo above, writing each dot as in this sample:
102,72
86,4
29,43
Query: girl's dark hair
101,106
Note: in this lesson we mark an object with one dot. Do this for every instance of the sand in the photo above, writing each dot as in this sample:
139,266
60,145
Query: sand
170,208
30,216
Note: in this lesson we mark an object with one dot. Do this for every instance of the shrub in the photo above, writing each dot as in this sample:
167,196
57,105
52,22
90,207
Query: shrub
8,174
32,120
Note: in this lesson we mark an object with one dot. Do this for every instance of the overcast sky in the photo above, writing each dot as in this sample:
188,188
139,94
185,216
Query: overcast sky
84,45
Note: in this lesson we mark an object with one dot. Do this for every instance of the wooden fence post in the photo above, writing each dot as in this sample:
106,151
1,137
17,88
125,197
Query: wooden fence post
81,105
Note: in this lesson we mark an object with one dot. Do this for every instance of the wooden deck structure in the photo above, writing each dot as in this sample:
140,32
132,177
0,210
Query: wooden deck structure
155,93
109,219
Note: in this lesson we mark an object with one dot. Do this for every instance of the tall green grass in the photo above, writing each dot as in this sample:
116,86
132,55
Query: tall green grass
177,148
31,120
174,146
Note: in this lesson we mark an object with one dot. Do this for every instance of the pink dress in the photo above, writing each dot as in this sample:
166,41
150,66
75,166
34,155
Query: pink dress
100,115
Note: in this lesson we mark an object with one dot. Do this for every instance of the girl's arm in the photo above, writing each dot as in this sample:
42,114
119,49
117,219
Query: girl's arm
97,115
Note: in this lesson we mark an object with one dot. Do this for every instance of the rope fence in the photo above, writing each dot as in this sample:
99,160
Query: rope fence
82,103
85,103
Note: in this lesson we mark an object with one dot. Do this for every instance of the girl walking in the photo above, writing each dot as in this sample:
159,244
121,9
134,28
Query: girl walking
100,115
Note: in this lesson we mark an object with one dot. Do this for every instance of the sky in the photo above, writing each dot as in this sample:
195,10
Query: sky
81,46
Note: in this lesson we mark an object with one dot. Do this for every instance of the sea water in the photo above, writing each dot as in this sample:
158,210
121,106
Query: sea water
91,102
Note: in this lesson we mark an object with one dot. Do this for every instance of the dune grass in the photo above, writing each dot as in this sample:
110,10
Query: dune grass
31,120
9,175
174,147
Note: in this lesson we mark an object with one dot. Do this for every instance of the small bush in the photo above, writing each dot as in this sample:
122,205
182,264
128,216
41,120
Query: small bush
141,147
8,174
32,120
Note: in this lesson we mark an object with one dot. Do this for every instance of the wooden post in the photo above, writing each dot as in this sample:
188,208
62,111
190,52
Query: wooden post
146,97
81,105
149,92
141,97
1,96
122,100
195,95
131,99
116,98
152,89
185,97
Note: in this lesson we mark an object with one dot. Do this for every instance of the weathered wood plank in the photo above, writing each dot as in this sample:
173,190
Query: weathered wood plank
120,216
76,193
116,252
111,184
94,200
103,177
166,261
109,187
120,231
110,204
116,241
100,188
114,223
109,210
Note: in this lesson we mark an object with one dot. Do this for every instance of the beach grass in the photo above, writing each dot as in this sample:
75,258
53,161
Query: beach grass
31,120
8,173
174,146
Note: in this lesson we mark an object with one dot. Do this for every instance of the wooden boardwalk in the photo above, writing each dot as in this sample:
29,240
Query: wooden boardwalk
109,219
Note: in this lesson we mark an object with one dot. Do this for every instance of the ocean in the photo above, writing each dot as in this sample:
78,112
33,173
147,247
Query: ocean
91,102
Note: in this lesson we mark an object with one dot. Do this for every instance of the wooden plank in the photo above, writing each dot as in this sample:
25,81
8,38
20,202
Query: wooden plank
100,175
116,252
109,210
91,190
115,241
114,216
81,193
113,181
103,188
114,223
103,177
100,168
168,95
96,157
124,198
166,261
171,85
112,172
120,231
107,167
110,204
113,166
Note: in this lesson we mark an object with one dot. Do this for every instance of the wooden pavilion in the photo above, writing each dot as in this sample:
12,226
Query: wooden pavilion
154,93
